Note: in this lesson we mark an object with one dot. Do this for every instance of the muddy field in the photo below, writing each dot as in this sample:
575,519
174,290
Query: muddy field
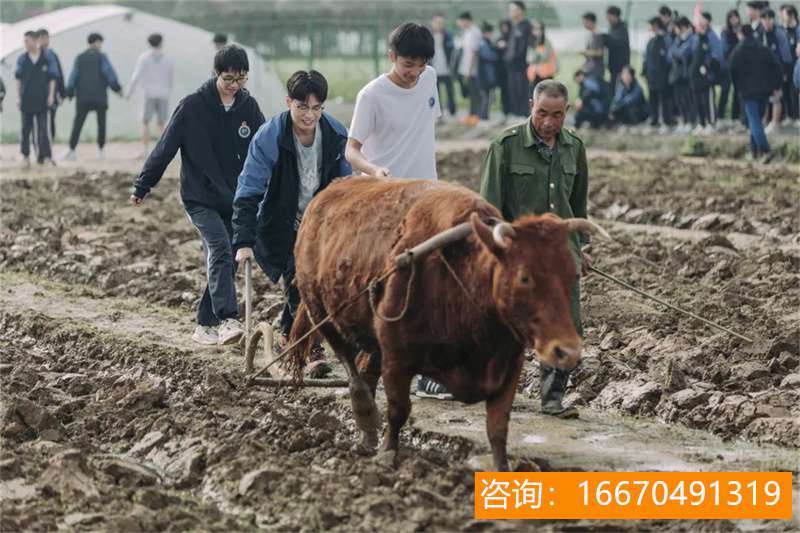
112,420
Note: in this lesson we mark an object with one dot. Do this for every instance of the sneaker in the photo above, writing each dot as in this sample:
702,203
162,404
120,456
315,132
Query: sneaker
318,366
427,388
205,335
26,162
767,157
770,128
230,331
663,130
100,155
47,162
69,155
698,130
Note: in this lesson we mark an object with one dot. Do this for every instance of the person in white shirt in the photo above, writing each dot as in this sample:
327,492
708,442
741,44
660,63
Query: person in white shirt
468,66
154,72
393,128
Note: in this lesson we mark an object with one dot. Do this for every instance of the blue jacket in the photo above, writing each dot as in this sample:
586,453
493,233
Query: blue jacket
593,96
777,42
90,78
628,97
267,194
796,74
680,55
213,145
487,64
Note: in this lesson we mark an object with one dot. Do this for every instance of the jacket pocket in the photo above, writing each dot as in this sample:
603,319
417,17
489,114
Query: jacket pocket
522,177
569,170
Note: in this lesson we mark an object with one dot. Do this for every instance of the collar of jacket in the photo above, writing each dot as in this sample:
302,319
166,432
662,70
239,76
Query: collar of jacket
209,94
329,135
529,137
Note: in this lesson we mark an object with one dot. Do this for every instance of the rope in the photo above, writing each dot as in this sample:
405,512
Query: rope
458,280
373,289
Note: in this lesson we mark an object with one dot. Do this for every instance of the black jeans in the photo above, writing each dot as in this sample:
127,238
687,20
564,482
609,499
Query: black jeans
518,87
660,108
80,117
447,81
684,98
595,120
725,88
704,105
474,96
35,124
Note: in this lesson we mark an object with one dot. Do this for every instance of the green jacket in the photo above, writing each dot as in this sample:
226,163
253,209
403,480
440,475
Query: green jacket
520,178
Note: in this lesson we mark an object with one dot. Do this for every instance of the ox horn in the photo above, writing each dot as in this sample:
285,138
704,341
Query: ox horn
500,232
586,226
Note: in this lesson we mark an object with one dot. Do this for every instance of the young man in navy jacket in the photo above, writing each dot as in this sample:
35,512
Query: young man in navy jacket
292,157
212,128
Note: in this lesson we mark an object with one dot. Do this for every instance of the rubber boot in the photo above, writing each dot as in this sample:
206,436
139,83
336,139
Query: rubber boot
554,384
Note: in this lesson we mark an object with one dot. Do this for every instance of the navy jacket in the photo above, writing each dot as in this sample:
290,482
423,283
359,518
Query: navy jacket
629,98
755,70
619,47
656,63
265,207
592,93
680,57
35,79
91,76
213,145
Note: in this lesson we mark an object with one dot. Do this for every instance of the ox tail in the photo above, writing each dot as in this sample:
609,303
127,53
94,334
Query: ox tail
295,362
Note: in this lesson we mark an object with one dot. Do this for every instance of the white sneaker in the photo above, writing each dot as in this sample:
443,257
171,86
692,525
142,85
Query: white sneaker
100,154
69,155
230,331
205,335
709,129
698,130
770,128
26,162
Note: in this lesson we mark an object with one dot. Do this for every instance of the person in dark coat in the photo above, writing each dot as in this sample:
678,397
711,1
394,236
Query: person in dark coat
515,57
774,37
442,61
617,42
61,89
36,87
629,106
504,28
91,77
655,69
756,73
212,128
791,97
704,72
729,39
488,57
680,55
591,103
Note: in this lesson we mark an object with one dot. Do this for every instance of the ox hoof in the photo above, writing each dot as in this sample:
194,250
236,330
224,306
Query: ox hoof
368,419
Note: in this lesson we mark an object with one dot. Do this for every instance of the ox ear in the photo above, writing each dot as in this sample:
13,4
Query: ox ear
484,233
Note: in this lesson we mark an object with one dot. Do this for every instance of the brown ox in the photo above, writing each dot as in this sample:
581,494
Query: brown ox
516,285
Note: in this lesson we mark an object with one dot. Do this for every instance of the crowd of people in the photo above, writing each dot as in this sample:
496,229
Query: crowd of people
43,85
694,77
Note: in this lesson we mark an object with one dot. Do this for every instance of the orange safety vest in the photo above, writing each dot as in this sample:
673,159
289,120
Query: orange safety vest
544,69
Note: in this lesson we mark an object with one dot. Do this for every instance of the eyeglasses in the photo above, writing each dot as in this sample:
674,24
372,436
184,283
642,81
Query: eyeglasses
230,80
305,108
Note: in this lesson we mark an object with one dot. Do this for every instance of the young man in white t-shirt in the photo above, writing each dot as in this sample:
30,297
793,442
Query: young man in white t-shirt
393,128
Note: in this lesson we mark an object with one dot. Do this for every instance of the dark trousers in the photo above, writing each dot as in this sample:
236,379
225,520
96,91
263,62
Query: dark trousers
219,297
725,88
81,111
35,125
505,99
595,120
660,108
447,81
613,77
52,114
704,105
486,103
474,95
518,88
789,96
684,98
291,298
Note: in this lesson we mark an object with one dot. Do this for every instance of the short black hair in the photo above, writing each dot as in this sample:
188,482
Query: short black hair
43,32
220,38
519,4
155,40
706,15
683,22
231,57
657,22
665,11
790,9
466,15
486,27
614,10
768,14
32,34
412,40
589,16
303,84
757,4
94,37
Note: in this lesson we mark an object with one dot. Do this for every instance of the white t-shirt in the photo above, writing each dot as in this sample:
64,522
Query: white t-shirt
397,126
469,50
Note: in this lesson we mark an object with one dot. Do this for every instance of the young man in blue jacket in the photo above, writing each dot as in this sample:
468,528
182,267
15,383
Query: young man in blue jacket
212,128
629,105
292,157
36,86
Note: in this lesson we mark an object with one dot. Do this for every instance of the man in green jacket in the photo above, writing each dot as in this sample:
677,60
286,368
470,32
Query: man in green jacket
538,167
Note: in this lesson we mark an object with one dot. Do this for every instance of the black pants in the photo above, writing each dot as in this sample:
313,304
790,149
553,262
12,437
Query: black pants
595,120
703,99
447,81
660,108
52,114
613,77
80,117
35,124
518,88
789,96
505,99
725,88
684,98
486,103
629,116
474,96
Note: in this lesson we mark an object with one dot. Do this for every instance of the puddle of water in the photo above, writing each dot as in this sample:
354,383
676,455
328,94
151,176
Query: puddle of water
534,439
